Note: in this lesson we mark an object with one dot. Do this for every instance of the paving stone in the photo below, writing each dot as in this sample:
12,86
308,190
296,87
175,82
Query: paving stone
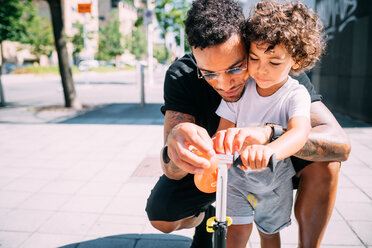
24,220
362,181
11,199
364,230
13,239
339,233
44,201
86,204
352,195
69,223
355,211
26,185
44,240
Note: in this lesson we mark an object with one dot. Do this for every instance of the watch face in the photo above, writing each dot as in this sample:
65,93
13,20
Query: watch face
277,131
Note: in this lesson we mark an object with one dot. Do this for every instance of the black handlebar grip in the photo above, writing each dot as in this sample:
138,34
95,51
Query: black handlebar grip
271,165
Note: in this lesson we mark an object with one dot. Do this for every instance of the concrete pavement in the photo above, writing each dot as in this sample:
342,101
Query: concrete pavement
81,178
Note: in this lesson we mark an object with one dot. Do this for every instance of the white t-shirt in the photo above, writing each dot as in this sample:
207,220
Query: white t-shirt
292,99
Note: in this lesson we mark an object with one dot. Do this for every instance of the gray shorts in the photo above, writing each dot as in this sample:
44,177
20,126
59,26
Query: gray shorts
270,211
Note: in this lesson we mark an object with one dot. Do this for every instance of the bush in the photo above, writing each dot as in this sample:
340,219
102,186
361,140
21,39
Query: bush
161,53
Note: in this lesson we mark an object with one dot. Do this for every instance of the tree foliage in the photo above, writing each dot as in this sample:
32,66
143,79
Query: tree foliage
38,32
161,53
137,42
11,28
170,16
110,39
77,39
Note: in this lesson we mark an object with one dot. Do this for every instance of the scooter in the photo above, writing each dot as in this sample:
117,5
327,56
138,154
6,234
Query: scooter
219,224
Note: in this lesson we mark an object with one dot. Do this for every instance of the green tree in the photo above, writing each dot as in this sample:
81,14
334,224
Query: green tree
137,42
161,53
39,34
170,16
78,39
110,39
10,28
128,1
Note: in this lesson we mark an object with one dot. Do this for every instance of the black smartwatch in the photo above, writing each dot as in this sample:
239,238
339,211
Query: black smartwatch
277,131
164,156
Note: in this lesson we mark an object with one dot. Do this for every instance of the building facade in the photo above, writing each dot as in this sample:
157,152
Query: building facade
100,13
344,75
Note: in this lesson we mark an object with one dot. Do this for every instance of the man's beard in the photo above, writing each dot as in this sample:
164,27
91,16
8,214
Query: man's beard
236,98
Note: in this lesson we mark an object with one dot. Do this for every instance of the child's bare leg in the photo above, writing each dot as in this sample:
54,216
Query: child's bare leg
269,240
238,236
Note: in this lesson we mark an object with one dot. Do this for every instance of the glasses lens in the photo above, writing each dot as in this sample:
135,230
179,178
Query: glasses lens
210,76
234,71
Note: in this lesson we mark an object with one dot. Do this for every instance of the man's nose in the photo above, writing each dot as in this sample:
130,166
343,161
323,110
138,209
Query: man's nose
223,81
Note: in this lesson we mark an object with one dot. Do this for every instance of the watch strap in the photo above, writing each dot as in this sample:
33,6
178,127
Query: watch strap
276,129
165,156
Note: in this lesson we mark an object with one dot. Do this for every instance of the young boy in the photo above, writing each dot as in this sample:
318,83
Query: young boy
283,38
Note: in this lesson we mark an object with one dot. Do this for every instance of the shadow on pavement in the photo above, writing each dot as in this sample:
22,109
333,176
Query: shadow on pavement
135,241
120,113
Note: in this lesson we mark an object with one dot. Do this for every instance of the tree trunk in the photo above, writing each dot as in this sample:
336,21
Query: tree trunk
2,98
63,61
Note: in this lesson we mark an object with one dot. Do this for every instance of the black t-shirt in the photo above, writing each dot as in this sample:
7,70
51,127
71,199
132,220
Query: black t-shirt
184,92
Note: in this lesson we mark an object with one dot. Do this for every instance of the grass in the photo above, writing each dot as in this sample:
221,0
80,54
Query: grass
43,70
112,68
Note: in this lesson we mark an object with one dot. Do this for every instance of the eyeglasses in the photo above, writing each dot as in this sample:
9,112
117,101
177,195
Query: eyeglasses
214,75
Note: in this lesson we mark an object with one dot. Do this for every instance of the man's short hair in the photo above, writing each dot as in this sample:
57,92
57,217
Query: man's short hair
212,22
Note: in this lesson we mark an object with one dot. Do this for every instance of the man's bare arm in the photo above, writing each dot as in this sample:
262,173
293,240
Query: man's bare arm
171,119
327,140
180,132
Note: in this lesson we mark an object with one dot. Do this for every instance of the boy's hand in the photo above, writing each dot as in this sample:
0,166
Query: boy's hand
256,157
235,139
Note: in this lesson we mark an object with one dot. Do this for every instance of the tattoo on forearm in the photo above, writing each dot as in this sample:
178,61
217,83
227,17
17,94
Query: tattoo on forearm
172,118
323,150
175,118
325,142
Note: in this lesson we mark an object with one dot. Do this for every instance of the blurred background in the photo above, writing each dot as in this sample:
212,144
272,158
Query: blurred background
81,86
116,35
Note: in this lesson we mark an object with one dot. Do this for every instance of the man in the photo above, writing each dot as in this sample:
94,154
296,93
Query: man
194,86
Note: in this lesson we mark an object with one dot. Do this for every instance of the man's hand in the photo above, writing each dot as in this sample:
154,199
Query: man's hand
179,140
237,139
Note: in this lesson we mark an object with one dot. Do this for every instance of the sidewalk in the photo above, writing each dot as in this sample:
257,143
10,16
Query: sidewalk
81,179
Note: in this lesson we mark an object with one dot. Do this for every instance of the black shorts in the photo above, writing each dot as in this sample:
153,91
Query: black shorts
298,165
172,200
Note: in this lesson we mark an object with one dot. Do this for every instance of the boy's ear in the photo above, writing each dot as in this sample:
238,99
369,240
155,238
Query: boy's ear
295,66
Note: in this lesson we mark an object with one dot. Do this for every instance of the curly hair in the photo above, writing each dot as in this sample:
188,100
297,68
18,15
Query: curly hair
212,22
292,24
